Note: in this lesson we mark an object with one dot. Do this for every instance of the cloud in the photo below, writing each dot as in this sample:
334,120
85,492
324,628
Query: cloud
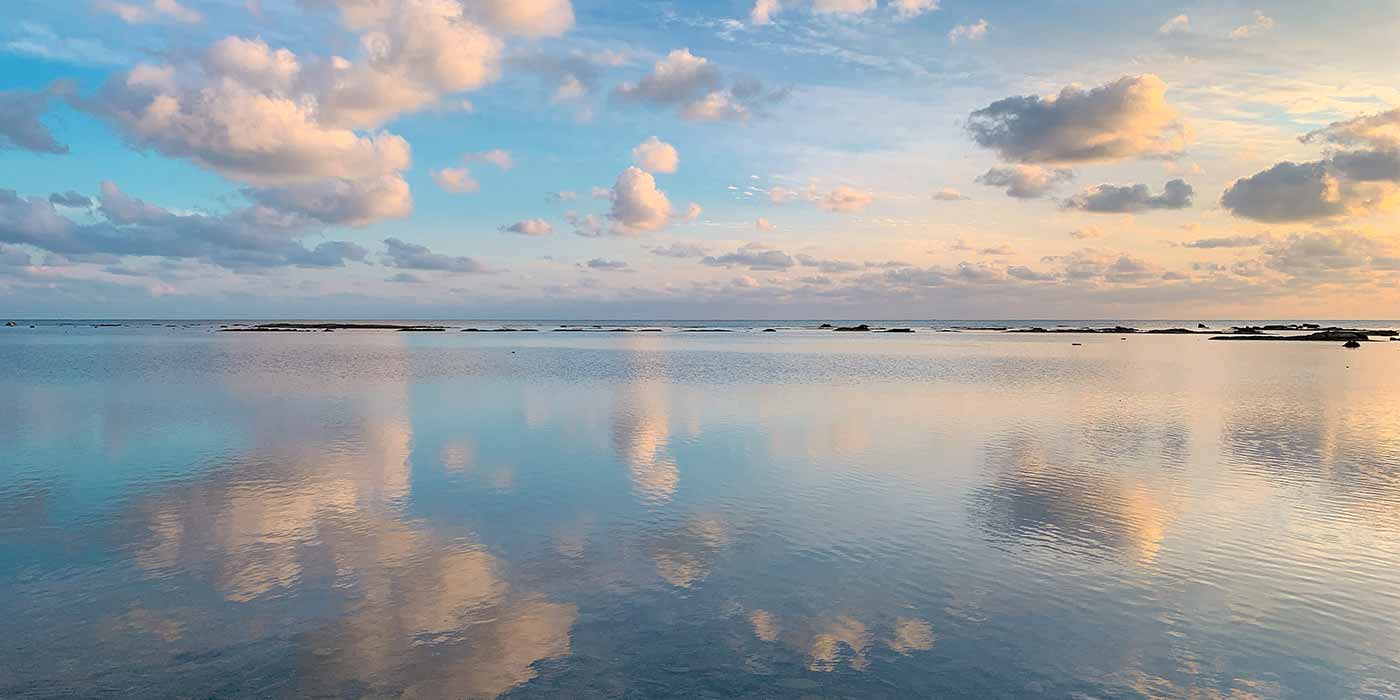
410,256
1000,250
1226,242
763,224
754,256
530,227
1316,255
152,11
249,238
1127,118
656,156
1086,233
39,41
533,18
908,9
846,199
71,199
1089,265
1129,199
1379,131
679,250
948,194
455,180
405,278
497,157
1262,23
342,201
1179,24
1021,272
828,266
1287,191
637,204
969,32
608,265
1025,181
763,11
692,212
696,88
1345,182
20,127
561,196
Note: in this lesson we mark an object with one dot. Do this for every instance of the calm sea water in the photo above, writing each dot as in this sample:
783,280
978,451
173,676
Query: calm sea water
189,513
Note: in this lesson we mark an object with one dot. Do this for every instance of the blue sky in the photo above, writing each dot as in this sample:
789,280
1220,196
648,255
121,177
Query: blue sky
826,158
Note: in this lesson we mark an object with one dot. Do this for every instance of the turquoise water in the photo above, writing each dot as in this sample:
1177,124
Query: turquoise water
191,513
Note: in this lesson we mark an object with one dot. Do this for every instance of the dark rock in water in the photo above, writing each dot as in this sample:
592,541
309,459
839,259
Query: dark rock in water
898,330
862,327
1247,330
770,330
1351,344
340,326
825,325
1200,325
1077,344
10,324
1329,335
708,330
1171,331
421,329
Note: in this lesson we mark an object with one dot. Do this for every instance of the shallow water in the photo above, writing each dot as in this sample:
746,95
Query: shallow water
366,514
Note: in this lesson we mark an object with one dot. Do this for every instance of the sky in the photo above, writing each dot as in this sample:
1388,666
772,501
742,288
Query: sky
950,159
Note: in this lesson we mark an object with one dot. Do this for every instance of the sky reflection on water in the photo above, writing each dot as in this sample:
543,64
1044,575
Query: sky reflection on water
201,514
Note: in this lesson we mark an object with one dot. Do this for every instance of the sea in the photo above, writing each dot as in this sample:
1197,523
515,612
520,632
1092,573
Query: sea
579,511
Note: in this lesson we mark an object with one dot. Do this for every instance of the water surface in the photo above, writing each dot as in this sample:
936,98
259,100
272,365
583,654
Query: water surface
368,513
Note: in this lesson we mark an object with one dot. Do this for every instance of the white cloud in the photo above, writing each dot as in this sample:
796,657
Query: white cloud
763,224
530,227
637,204
846,199
656,156
455,180
1025,181
969,32
906,9
696,88
948,194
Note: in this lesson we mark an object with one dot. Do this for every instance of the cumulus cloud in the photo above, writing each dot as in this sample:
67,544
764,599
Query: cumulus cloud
948,194
846,199
530,227
342,201
1131,198
525,17
763,11
637,204
969,32
455,180
255,237
1262,23
152,11
268,118
656,156
1291,191
1344,182
1025,181
411,256
695,87
763,224
20,126
1129,117
1089,265
754,256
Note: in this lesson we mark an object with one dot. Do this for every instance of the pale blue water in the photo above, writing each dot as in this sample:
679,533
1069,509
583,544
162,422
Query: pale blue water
189,513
